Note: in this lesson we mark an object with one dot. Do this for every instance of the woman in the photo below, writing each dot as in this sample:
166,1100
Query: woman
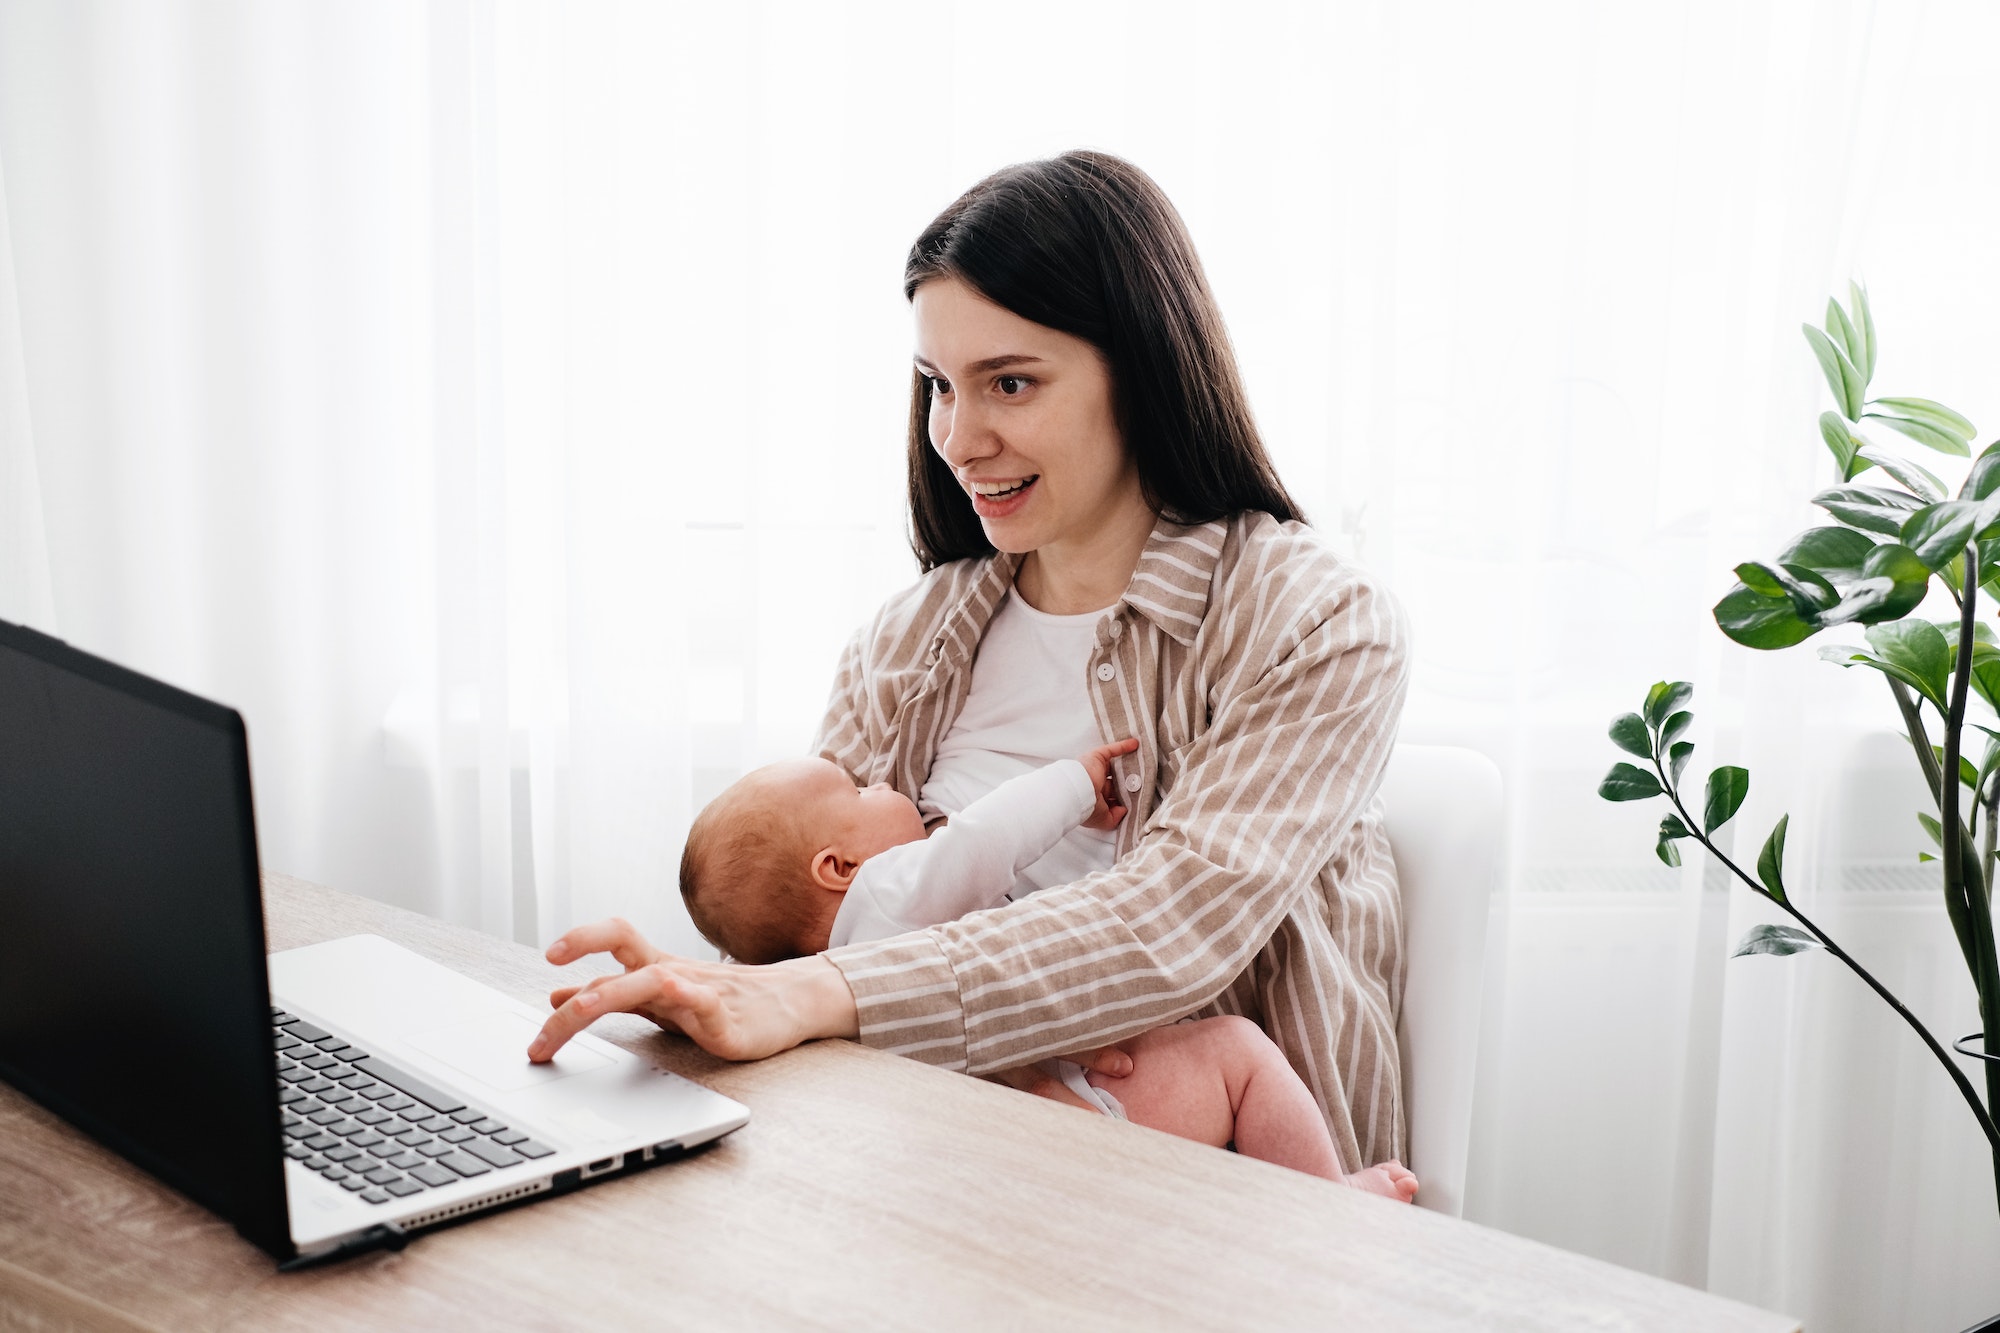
1107,553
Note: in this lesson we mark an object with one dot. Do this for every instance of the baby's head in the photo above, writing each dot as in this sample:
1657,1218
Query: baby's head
767,862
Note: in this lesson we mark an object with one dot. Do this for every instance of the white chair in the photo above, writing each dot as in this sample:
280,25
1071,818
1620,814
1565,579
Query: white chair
1441,809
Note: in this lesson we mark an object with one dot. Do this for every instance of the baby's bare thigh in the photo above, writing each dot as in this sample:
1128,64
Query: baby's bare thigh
1184,1077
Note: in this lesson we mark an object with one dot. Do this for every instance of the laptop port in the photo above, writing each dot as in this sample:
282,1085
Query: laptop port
598,1168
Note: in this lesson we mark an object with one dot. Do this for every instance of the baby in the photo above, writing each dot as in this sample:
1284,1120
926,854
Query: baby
794,858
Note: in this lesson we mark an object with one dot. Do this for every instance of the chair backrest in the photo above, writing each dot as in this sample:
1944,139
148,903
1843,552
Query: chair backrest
1442,811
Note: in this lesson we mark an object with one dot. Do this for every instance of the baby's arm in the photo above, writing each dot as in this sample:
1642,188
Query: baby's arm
970,864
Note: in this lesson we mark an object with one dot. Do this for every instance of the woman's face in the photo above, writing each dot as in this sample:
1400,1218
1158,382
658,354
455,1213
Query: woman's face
1023,415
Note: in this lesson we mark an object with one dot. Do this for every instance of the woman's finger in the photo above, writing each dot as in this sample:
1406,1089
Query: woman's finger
613,935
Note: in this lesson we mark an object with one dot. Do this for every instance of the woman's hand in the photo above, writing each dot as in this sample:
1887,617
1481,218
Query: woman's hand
730,1010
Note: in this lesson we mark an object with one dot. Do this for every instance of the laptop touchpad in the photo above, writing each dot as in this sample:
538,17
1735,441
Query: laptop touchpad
492,1048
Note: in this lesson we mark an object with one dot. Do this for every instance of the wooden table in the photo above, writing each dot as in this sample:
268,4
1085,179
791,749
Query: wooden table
866,1192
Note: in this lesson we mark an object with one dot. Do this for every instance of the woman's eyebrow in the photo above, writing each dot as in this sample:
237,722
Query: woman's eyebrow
992,362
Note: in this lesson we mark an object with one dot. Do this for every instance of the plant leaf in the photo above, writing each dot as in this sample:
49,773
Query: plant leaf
1727,786
1916,648
1926,434
1664,698
1937,414
1864,323
1984,478
1841,375
1844,443
1900,565
1671,828
1758,621
1932,827
1986,680
1671,729
1939,532
1629,734
1778,940
1836,553
1871,507
1771,861
1916,478
1809,593
1625,782
1677,759
1843,333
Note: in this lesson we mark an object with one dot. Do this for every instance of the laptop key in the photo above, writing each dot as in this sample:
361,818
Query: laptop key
374,1196
399,1188
305,1031
322,1141
530,1148
465,1166
341,1153
316,1083
417,1115
509,1136
287,1042
320,1061
385,1149
291,1096
433,1149
374,1092
279,1017
492,1153
403,1161
434,1124
456,1134
382,1175
432,1174
374,1115
326,1043
397,1103
409,1084
301,1131
488,1127
355,1183
298,1152
367,1138
467,1115
326,1115
295,1074
335,1173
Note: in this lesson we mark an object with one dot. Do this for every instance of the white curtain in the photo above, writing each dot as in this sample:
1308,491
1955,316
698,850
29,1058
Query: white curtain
502,405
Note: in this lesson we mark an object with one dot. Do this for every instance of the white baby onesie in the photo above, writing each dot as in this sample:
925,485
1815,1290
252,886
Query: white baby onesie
969,865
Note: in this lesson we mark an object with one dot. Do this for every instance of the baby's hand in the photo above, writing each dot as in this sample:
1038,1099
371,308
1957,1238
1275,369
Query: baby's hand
1110,807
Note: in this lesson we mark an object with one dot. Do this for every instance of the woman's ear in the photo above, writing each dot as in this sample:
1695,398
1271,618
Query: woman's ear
832,871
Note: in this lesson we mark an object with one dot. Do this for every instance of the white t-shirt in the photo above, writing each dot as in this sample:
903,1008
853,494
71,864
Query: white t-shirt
1028,706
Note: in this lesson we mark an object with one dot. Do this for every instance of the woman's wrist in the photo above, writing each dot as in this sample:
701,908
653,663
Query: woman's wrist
819,999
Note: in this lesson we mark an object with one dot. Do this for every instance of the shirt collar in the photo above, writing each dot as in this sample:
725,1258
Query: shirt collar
1169,586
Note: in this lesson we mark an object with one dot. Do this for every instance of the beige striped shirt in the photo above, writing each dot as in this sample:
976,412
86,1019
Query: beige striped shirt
1263,677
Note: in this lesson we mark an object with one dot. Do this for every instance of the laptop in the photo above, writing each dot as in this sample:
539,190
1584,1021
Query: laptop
326,1100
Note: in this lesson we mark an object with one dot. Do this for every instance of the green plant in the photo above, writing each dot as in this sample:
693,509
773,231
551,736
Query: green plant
1873,567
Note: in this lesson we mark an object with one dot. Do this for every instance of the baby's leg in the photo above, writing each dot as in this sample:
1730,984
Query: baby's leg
1221,1080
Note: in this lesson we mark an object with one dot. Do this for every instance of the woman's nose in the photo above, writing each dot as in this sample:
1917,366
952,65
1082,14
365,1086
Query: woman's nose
961,436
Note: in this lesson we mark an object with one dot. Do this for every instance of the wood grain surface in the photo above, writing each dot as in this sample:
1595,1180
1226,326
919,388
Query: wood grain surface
866,1192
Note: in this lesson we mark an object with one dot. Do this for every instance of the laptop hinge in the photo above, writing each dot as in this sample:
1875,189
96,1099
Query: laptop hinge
385,1236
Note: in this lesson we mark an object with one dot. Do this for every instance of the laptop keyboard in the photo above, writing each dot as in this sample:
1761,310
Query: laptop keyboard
375,1129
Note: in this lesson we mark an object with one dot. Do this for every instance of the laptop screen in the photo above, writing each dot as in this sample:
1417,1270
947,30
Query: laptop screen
133,993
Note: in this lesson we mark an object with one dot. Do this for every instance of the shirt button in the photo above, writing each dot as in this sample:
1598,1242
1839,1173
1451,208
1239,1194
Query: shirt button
1131,782
1117,628
1105,671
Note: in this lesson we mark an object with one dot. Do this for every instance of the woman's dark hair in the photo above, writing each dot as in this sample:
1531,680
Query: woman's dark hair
1087,244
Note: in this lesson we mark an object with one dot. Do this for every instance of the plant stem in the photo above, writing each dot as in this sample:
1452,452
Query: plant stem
1913,722
1958,1077
1979,911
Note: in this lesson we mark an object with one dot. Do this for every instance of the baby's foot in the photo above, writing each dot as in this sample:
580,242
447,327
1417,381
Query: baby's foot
1389,1179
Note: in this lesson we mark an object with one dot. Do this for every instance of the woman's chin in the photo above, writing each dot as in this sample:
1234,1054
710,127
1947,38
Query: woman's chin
1009,536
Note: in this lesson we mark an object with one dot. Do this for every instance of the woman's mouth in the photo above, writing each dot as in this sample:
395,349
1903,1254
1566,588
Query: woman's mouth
998,499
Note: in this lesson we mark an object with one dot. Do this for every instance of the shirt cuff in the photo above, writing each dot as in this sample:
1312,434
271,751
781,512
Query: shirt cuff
906,998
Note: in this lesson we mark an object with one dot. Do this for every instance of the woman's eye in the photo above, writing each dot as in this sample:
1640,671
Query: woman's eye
939,384
1011,384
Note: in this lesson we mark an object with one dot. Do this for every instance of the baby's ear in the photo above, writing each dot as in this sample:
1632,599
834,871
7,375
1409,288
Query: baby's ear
831,871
